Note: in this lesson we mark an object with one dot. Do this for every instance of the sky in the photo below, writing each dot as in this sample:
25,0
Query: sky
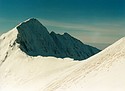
95,22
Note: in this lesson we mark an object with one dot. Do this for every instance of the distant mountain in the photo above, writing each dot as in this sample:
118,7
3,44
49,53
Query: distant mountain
34,39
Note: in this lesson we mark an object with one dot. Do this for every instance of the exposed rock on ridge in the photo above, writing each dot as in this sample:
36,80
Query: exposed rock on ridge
34,39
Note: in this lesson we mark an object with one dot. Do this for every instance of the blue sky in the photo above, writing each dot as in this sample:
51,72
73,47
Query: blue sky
95,22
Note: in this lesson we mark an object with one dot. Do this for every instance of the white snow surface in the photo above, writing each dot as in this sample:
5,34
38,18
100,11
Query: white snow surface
104,71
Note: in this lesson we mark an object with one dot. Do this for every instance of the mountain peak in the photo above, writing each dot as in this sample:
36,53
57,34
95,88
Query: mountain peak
32,19
31,29
66,33
30,22
34,39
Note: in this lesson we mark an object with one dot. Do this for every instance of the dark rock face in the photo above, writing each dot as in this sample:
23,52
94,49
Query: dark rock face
34,40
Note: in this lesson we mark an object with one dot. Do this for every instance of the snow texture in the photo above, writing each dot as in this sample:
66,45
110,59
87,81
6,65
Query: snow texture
104,71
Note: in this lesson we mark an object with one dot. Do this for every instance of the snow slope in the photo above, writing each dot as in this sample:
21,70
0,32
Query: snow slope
19,69
104,71
20,72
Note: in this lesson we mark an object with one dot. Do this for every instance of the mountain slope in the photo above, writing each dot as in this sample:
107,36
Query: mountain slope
21,72
102,72
34,39
21,62
71,47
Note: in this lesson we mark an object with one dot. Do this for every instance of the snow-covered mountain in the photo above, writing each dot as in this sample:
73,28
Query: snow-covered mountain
21,69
